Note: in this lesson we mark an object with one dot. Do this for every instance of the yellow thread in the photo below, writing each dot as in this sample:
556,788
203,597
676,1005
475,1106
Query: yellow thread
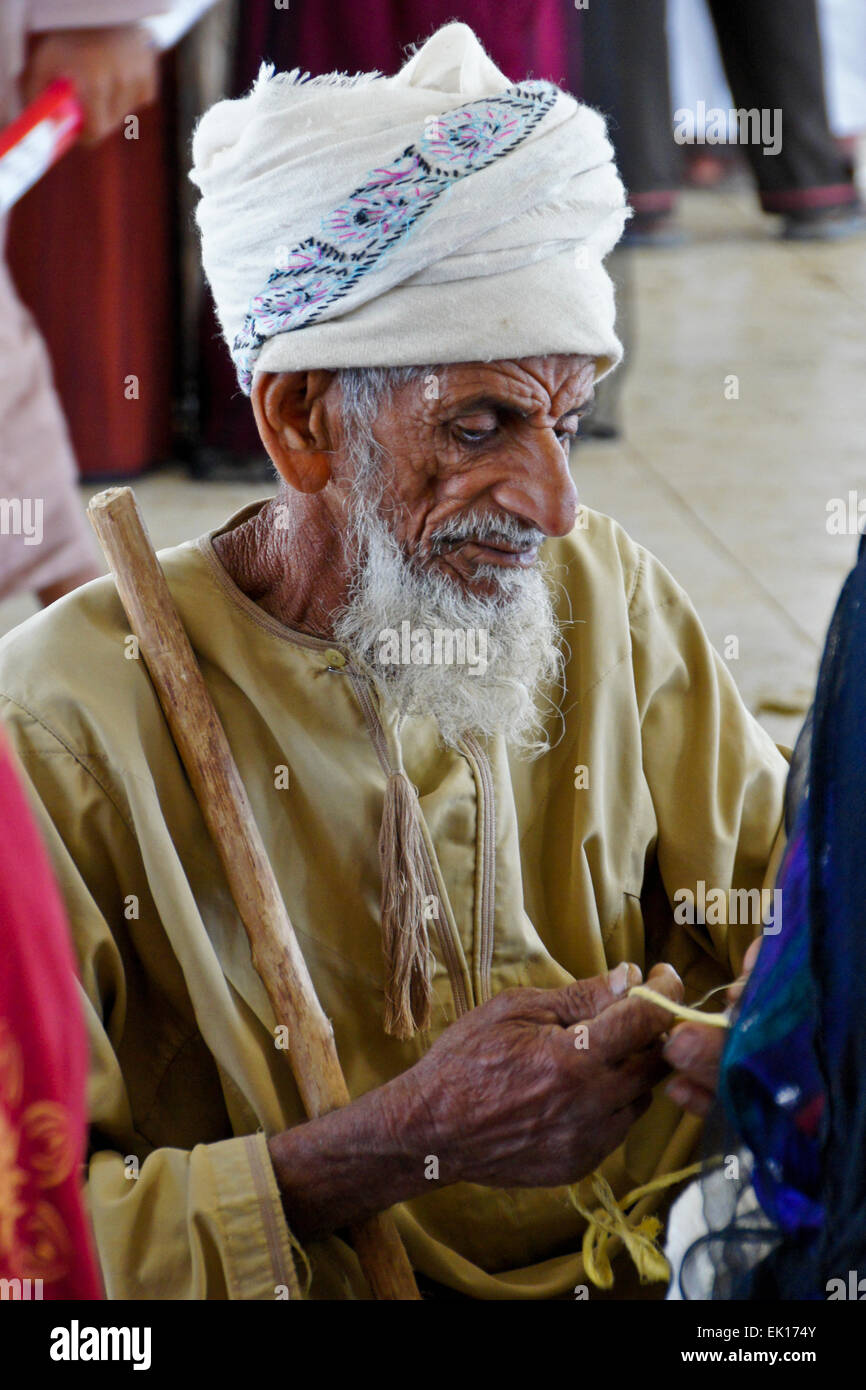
610,1222
308,1269
680,1010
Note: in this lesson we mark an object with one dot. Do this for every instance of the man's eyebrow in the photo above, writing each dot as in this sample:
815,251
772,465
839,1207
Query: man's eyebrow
492,402
485,402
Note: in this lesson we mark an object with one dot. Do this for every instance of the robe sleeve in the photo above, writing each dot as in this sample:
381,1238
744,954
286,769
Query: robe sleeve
169,1222
715,776
45,15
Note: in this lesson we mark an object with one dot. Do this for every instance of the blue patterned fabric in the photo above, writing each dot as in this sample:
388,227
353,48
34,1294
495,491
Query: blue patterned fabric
793,1076
770,1083
354,238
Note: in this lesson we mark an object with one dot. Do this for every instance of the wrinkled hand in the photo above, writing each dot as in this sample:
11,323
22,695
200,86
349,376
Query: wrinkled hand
514,1096
114,71
695,1052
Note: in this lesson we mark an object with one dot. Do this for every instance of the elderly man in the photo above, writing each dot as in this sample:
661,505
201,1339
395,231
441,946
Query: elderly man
483,733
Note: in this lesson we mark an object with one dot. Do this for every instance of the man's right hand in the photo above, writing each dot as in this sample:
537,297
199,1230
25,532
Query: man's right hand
532,1089
536,1087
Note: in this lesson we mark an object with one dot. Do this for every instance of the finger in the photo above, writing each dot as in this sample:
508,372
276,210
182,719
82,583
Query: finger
689,1096
751,956
735,990
140,97
119,101
150,86
749,961
634,1023
695,1051
669,976
98,116
134,93
585,999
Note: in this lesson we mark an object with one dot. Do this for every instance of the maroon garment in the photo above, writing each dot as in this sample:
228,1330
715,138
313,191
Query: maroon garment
525,38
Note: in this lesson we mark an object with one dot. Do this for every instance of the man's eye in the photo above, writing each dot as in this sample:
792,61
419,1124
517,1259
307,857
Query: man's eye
474,435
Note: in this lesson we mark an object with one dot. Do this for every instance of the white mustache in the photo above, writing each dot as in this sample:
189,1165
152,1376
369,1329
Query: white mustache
478,528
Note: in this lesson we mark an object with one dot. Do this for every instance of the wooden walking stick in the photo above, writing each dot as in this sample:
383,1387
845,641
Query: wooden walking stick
222,799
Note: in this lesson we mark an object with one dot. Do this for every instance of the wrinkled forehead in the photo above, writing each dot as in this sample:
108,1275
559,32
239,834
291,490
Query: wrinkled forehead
550,384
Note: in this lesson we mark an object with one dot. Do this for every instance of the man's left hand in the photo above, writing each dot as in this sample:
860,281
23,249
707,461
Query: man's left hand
694,1051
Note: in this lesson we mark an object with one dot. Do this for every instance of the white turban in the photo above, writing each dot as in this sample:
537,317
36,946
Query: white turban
441,215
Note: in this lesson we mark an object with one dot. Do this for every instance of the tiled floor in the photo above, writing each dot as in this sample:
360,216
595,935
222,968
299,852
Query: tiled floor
730,493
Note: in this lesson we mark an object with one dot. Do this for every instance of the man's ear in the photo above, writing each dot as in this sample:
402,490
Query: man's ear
291,419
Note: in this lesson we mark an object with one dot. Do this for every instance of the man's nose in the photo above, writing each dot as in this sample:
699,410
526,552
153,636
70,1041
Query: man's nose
538,487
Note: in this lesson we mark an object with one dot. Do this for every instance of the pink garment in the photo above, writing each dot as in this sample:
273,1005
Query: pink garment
44,535
44,1232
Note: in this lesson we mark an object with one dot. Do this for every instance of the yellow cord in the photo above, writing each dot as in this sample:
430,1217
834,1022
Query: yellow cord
609,1221
680,1010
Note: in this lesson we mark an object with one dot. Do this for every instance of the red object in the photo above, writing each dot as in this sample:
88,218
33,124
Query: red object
37,138
44,1235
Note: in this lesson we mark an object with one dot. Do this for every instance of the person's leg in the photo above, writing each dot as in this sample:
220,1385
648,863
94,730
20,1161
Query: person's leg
625,75
772,57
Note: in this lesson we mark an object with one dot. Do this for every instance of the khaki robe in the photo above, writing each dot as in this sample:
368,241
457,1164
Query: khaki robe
539,881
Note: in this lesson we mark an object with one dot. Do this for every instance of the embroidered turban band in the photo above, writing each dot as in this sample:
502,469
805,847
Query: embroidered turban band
441,215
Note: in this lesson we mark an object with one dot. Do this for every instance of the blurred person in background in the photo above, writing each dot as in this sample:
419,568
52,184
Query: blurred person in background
697,74
771,53
99,46
843,40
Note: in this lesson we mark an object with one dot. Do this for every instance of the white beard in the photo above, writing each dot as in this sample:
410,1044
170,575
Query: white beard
522,635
